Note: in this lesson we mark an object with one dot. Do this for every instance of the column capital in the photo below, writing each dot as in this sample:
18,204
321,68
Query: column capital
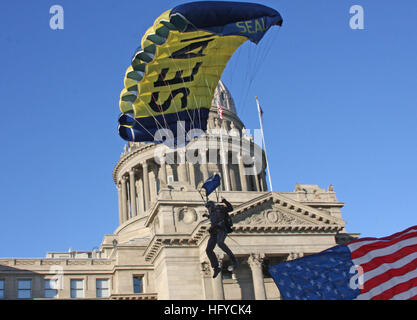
133,170
294,255
205,269
255,260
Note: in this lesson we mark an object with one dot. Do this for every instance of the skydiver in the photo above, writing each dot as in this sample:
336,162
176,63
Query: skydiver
218,230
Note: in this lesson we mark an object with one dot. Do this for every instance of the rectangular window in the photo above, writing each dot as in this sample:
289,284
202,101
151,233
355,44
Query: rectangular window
51,288
138,284
102,288
77,288
24,289
1,289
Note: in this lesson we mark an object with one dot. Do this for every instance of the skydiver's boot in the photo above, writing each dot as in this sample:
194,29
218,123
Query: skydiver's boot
216,271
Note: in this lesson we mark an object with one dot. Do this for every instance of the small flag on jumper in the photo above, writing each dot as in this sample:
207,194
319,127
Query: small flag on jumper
211,184
220,111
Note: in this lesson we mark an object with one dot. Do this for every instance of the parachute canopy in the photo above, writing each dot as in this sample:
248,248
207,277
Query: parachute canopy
174,72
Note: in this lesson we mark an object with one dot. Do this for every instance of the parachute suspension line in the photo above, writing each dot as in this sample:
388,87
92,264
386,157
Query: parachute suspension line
265,50
155,119
160,111
261,55
223,159
247,85
241,90
142,126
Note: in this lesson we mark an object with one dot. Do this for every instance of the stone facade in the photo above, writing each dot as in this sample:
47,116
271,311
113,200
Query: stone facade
158,249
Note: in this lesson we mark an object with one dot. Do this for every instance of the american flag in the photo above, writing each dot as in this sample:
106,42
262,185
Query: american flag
363,269
220,111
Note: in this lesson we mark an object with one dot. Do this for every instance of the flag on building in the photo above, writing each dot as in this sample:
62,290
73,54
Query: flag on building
220,111
363,269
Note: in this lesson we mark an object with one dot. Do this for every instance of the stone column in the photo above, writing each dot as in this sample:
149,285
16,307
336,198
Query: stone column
204,165
242,173
255,263
125,208
163,171
218,290
139,191
152,177
119,191
232,175
132,185
255,176
263,181
146,188
192,173
226,176
182,170
206,278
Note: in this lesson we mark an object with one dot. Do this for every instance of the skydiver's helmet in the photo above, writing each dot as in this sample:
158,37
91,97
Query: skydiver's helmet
210,205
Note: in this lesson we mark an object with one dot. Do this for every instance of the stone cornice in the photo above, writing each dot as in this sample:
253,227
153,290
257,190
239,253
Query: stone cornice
134,296
200,233
266,228
159,241
129,155
324,204
291,216
286,203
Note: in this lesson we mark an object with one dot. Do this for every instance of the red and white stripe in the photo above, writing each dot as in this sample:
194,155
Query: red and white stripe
389,265
220,111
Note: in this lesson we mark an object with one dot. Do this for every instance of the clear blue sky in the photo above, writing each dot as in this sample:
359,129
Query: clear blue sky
340,108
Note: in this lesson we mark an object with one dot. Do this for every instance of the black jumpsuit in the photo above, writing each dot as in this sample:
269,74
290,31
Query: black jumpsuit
218,233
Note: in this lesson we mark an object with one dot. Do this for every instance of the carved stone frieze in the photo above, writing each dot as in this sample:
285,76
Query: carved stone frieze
186,215
205,269
271,216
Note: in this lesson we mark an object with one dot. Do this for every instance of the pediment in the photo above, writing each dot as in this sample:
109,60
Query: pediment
272,215
275,210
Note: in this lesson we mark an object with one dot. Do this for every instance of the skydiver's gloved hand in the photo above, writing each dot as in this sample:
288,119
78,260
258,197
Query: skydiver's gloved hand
228,205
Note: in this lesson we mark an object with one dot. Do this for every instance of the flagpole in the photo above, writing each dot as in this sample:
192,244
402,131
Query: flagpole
263,141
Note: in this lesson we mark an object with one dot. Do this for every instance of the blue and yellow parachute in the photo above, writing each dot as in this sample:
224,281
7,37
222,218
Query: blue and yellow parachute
173,74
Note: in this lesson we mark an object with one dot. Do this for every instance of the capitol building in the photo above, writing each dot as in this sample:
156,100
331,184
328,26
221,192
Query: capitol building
158,252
